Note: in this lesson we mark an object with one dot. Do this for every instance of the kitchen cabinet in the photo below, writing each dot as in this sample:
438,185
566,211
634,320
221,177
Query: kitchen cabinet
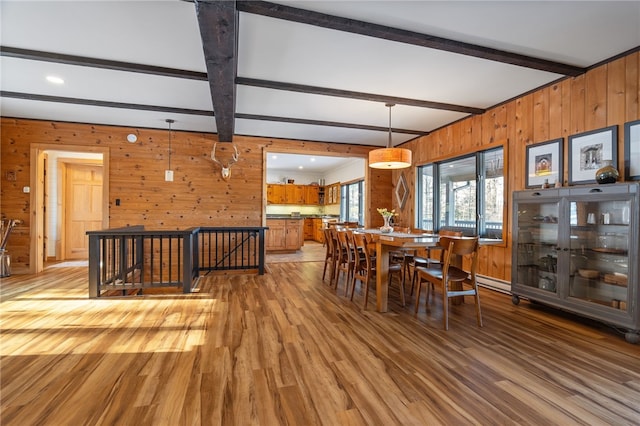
308,229
292,194
276,194
312,195
318,230
576,249
332,193
284,234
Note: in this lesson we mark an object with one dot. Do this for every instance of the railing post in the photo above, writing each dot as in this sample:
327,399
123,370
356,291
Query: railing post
187,261
261,258
94,266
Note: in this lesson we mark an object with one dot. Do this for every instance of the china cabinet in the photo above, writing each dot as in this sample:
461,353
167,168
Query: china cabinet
576,248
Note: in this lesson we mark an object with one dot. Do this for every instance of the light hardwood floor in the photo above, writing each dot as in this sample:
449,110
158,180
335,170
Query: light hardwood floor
286,349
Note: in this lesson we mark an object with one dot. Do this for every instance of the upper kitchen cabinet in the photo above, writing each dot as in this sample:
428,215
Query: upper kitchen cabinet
332,193
312,194
293,194
276,194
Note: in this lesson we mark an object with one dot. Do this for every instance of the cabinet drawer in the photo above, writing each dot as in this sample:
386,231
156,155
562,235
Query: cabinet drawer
536,194
601,190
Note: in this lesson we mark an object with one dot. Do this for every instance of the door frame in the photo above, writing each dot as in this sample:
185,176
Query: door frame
36,199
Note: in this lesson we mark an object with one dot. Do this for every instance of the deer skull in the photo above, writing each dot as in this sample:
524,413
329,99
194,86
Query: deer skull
226,170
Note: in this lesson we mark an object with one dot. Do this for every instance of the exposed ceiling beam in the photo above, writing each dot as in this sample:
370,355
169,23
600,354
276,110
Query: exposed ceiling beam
394,34
329,123
218,22
157,108
107,104
83,61
293,87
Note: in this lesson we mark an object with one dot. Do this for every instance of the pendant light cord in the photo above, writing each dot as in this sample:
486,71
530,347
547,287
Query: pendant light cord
390,106
168,120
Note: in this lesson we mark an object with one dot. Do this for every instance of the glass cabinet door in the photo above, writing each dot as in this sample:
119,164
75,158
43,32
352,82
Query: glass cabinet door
599,245
537,242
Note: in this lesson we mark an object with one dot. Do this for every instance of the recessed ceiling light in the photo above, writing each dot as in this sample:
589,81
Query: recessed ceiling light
312,159
55,80
300,167
274,157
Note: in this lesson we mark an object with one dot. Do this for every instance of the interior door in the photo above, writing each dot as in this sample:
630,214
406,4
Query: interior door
83,207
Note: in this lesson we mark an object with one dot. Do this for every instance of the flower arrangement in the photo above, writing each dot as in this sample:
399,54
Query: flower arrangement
387,213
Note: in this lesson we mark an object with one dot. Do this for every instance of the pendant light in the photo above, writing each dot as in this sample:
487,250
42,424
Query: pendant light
168,174
389,157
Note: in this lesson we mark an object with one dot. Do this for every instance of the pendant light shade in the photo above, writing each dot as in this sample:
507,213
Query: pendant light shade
389,157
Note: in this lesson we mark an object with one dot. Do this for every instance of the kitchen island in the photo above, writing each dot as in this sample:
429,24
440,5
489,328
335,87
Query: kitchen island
285,234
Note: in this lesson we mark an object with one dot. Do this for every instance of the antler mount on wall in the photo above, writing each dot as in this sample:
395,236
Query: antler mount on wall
226,169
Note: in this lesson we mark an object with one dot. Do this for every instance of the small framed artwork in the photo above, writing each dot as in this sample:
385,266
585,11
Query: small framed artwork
544,163
632,150
588,151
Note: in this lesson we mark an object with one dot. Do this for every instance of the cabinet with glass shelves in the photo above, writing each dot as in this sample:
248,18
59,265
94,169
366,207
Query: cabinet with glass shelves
576,249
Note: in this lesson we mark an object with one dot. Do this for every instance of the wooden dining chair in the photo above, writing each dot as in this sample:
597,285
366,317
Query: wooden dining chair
428,260
365,268
331,255
346,258
449,275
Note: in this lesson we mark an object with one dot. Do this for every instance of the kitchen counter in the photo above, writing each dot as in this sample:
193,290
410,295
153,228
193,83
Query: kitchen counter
284,216
310,216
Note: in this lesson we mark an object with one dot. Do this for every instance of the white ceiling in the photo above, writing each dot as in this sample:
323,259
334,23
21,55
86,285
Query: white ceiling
166,34
309,164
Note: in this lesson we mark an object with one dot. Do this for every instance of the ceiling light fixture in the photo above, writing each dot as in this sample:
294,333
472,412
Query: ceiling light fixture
168,174
55,80
389,157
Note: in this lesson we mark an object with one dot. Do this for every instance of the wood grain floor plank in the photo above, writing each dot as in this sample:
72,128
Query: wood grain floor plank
285,348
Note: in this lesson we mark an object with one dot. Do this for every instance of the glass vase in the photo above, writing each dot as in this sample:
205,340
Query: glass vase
386,228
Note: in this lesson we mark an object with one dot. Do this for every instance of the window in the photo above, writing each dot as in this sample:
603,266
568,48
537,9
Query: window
464,194
425,191
351,202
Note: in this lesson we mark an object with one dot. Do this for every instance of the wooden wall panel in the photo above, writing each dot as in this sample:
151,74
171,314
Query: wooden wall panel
381,196
564,108
540,120
596,98
632,86
555,112
606,95
577,105
197,196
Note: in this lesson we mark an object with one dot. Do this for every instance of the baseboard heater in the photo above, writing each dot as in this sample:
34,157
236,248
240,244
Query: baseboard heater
494,284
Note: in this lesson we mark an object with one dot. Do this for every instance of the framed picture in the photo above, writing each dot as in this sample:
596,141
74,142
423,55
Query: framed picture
632,150
588,150
544,163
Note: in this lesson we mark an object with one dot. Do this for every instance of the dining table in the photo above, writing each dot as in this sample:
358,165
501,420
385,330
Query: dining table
386,242
393,241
